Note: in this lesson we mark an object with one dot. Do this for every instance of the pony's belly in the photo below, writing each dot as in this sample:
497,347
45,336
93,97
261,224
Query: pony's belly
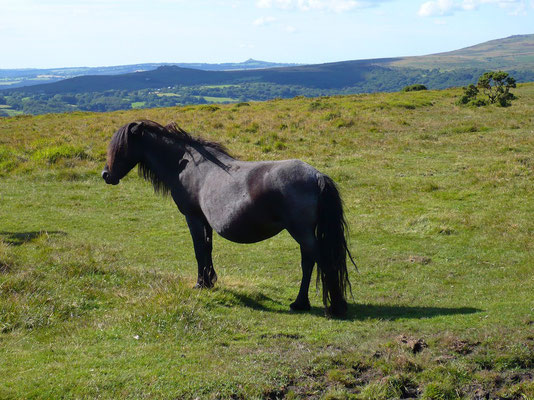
249,233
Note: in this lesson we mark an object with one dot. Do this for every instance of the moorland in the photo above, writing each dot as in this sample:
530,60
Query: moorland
96,297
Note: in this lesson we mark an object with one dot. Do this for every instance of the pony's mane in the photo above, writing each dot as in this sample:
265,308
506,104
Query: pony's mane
190,140
170,134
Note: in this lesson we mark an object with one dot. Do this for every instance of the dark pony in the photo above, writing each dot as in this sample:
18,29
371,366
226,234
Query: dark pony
242,201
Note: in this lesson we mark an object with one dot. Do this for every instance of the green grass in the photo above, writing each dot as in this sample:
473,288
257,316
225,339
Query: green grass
9,111
9,81
214,99
138,104
95,281
167,94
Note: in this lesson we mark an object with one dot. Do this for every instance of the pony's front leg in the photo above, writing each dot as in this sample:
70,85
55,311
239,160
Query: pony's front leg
202,235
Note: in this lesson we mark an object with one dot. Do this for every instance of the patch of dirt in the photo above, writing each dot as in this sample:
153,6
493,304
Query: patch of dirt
496,388
463,347
276,394
415,345
281,335
520,377
444,359
363,377
477,392
410,391
420,260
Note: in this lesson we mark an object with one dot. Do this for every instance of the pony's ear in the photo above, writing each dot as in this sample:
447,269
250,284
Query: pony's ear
136,128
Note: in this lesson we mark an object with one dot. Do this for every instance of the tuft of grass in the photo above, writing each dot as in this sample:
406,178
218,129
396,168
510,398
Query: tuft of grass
332,115
252,128
55,153
8,160
440,391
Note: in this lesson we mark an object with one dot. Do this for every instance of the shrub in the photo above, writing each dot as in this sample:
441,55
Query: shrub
497,85
469,96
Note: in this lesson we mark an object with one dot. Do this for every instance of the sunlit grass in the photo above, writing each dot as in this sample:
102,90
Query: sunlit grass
96,295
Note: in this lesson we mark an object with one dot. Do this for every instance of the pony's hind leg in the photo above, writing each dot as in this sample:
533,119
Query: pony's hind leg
308,252
202,235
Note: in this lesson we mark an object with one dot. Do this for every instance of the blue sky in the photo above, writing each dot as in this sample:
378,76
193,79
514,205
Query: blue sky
70,33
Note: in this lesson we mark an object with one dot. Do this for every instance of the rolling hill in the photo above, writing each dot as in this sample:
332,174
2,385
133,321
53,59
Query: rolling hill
511,53
14,78
332,75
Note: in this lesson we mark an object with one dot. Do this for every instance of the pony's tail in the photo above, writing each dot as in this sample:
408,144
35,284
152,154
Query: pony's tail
333,250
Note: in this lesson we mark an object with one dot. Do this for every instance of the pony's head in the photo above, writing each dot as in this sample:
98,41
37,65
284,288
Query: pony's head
124,152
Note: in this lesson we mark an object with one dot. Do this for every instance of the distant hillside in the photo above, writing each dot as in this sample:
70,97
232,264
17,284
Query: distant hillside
331,75
13,78
512,53
171,85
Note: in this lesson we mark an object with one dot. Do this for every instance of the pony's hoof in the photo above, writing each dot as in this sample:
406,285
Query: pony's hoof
296,306
213,279
337,311
202,285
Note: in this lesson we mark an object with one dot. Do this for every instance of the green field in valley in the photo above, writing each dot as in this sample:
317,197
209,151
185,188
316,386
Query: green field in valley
96,297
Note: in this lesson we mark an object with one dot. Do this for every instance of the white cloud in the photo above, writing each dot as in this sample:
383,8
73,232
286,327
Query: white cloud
262,21
437,8
321,5
291,29
274,3
440,8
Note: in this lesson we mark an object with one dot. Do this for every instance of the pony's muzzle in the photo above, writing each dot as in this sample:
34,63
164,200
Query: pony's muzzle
107,177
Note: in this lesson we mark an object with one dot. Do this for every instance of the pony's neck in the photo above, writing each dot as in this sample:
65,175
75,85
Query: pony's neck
164,160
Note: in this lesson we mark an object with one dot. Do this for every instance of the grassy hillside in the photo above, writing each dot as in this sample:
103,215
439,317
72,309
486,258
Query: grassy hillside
95,281
511,53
